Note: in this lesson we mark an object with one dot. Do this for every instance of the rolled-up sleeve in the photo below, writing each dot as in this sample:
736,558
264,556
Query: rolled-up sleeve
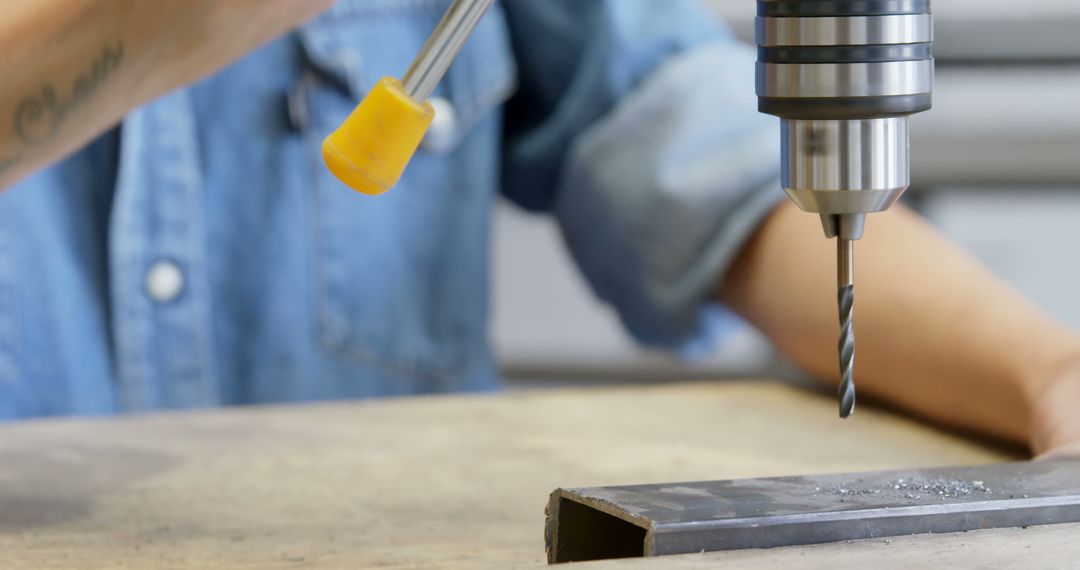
648,150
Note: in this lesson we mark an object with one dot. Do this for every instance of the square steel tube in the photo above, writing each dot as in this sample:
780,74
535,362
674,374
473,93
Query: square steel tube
680,518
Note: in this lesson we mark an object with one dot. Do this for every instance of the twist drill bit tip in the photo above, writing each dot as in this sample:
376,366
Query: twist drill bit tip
846,301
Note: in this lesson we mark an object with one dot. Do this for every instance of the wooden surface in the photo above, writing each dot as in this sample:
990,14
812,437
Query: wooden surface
455,482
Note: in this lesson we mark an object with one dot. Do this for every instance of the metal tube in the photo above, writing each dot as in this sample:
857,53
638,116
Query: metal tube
681,518
428,69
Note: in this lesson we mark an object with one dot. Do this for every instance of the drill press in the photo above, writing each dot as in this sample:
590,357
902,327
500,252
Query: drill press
844,76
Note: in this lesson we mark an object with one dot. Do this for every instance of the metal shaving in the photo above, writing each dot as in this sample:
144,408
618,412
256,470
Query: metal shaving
941,488
913,489
848,491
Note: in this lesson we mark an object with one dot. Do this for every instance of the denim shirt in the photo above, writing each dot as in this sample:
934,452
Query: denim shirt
200,254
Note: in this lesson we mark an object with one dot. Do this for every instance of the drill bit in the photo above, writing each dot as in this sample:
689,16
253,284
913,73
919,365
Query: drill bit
845,273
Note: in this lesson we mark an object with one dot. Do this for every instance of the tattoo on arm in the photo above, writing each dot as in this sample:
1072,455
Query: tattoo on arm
39,116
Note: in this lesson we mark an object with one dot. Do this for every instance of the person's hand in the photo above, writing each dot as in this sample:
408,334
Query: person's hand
1056,423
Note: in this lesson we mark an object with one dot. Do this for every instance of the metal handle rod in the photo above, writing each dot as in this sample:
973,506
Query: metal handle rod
428,69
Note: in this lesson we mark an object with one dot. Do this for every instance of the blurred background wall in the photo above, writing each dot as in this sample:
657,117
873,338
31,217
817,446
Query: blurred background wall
996,165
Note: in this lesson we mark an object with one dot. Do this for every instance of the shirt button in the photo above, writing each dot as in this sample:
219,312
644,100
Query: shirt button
164,281
442,134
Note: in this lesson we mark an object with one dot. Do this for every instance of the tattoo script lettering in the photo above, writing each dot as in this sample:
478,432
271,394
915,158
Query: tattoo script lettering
39,116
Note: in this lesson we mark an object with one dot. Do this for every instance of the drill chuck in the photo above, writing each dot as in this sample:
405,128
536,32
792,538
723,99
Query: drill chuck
844,76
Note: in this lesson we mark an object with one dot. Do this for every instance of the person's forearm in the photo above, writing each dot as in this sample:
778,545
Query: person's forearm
73,68
63,61
935,332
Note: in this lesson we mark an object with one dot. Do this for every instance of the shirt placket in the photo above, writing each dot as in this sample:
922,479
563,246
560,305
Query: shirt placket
8,313
159,287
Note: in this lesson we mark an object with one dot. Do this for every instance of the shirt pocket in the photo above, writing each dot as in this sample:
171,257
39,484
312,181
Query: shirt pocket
395,277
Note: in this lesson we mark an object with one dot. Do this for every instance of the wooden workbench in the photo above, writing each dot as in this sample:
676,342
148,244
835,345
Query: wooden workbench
452,482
